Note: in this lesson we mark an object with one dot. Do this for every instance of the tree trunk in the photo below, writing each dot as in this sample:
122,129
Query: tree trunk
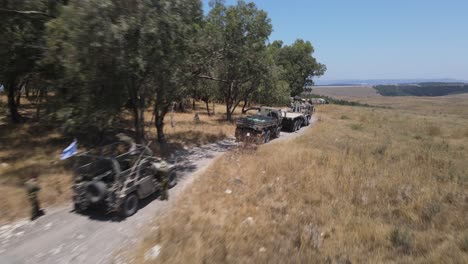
159,124
38,103
244,110
18,98
228,112
160,110
214,112
207,106
137,124
12,106
193,104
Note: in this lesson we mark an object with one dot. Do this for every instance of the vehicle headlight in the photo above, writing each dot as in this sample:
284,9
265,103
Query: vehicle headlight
248,134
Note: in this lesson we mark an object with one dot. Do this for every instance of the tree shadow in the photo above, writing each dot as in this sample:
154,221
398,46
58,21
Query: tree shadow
98,213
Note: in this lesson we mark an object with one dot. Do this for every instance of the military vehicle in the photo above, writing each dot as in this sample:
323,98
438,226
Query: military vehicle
261,127
297,116
114,178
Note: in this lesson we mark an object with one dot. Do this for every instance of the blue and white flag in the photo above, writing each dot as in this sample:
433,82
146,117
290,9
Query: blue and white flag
70,151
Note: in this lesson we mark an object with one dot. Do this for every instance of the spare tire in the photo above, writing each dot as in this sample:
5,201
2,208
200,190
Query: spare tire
96,191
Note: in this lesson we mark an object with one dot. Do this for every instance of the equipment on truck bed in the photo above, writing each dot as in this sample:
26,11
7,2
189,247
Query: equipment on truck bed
298,115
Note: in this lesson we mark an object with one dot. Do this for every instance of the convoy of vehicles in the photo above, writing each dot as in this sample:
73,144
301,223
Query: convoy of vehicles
269,122
114,177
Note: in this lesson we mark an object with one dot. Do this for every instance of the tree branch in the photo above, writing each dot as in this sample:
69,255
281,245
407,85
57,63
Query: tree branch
19,12
212,78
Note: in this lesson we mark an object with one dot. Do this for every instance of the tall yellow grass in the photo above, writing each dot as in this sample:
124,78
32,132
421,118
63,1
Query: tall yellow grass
393,190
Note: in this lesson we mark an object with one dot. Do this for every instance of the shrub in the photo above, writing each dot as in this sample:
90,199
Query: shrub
464,243
356,126
401,240
433,130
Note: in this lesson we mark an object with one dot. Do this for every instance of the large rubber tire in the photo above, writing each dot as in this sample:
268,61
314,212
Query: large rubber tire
130,205
172,179
266,137
278,132
96,191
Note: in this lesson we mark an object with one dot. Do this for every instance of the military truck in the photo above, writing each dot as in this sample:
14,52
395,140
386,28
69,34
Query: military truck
114,178
261,127
297,116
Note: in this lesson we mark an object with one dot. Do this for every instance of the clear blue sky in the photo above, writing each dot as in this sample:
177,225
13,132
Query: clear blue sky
373,39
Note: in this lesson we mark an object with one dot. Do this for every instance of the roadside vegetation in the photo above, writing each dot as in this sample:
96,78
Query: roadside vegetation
364,185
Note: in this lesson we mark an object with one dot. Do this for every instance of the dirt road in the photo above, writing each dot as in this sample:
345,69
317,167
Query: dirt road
63,236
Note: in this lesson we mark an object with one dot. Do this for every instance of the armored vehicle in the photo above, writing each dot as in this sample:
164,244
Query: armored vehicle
297,116
114,178
260,128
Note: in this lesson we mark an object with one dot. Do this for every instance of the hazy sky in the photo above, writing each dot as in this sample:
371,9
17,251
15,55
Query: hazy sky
373,39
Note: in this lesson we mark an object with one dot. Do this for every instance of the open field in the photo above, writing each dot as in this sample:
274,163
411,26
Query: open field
442,106
365,185
347,91
36,146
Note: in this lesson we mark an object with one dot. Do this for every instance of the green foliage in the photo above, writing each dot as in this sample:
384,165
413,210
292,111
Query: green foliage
101,57
422,89
114,51
298,63
22,44
235,41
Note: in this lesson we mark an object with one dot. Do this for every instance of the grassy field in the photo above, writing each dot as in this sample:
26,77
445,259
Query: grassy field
364,185
36,146
442,106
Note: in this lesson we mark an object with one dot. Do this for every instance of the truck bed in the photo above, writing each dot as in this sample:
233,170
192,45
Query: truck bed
256,122
291,115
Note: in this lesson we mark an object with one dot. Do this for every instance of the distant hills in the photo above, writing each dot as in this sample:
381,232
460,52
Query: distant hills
368,82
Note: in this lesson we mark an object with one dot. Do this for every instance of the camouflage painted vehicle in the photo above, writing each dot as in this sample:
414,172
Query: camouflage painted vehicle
114,179
260,128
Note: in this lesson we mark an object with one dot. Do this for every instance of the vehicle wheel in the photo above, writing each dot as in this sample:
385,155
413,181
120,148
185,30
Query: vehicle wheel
96,191
130,205
78,208
278,132
296,126
266,138
172,179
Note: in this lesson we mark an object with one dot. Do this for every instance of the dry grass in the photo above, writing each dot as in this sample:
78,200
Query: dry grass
431,106
189,132
31,146
394,190
347,91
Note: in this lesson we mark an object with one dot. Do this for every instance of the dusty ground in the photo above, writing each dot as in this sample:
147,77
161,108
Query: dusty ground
63,236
